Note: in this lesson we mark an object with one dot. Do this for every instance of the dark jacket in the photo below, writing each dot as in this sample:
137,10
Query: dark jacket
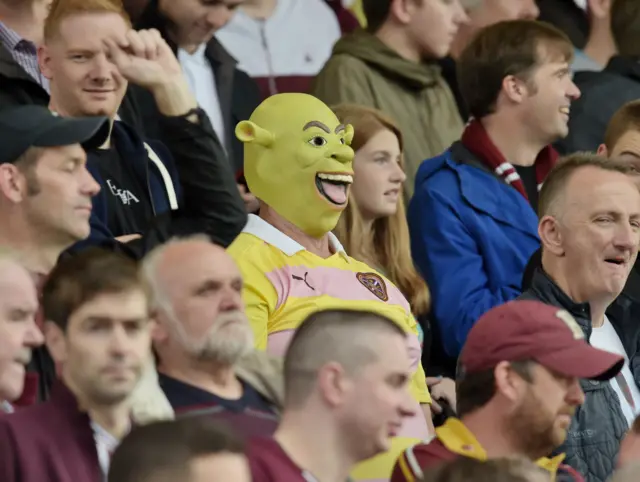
599,425
49,442
239,94
208,199
211,203
603,93
470,248
17,87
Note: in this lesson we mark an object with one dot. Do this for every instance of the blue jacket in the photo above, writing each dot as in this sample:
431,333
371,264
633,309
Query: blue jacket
471,238
158,174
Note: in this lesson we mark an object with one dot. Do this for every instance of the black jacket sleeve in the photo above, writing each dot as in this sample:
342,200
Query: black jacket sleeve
212,204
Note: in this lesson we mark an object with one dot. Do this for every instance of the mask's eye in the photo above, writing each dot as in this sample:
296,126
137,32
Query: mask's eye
318,141
342,140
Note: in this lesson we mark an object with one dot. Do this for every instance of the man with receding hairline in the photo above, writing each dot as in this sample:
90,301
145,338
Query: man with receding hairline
18,331
590,229
346,394
203,341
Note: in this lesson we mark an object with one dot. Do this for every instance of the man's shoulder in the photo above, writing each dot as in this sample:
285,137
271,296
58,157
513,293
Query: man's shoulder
249,248
30,422
431,454
268,461
415,460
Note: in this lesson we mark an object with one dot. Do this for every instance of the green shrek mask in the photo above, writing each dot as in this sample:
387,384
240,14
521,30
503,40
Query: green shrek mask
297,160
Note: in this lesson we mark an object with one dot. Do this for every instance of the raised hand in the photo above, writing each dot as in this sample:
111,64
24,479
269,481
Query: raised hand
143,58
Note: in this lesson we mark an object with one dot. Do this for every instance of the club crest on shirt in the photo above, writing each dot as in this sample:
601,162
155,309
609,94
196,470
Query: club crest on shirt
375,284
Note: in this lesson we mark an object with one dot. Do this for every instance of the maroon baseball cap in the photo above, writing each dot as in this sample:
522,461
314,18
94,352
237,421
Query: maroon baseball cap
531,330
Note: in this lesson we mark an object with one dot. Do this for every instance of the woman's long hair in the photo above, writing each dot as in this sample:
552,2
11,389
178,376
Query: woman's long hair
387,246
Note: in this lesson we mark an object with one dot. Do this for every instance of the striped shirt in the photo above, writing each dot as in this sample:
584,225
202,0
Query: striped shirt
24,52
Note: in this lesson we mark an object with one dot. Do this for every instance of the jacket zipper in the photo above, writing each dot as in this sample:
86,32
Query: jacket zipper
273,89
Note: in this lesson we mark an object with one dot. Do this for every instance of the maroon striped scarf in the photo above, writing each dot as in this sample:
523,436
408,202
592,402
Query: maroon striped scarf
476,139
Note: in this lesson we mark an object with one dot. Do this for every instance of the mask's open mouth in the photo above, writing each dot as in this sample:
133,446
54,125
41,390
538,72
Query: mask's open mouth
334,186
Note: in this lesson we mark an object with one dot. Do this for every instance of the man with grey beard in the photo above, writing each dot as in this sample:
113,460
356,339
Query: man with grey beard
203,341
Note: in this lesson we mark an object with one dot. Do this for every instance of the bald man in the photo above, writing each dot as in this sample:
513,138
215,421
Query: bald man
206,361
18,331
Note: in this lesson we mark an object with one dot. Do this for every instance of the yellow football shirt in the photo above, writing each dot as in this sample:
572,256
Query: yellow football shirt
284,283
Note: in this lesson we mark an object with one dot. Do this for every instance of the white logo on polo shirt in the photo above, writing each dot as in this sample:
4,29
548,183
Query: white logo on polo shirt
125,196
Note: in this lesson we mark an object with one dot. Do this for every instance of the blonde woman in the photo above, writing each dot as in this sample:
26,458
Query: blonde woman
373,228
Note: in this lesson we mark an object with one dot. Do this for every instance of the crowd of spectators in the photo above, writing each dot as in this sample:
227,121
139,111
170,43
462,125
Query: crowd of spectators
319,240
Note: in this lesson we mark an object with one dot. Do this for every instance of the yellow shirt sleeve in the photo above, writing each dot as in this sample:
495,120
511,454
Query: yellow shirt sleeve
259,296
418,387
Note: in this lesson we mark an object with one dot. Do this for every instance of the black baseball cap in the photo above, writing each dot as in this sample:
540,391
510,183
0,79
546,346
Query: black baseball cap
36,126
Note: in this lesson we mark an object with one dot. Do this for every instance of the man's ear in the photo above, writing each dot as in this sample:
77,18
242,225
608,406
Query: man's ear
44,61
249,132
508,383
56,342
402,10
602,150
12,183
514,89
550,235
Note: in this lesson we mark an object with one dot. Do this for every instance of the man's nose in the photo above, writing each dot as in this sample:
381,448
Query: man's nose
575,395
627,237
532,11
34,336
102,68
219,16
89,186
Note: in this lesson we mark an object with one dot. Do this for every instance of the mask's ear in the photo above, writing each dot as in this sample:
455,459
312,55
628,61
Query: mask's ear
248,132
348,134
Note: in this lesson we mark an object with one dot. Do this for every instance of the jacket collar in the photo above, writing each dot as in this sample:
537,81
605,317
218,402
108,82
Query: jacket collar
624,66
547,291
493,195
11,69
457,438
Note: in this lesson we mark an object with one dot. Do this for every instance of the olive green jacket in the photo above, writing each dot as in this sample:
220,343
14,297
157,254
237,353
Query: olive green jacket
362,70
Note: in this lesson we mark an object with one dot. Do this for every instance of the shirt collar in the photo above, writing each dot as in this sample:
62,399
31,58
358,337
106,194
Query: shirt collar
11,39
6,407
259,228
457,438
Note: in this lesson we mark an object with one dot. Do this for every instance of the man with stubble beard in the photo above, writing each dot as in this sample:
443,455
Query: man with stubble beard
517,390
204,343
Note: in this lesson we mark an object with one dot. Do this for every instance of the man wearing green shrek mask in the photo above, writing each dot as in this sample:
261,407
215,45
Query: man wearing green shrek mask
297,154
298,163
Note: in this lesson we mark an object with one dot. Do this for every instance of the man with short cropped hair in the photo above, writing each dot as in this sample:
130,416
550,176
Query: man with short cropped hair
590,229
472,220
98,333
346,395
187,450
517,389
389,66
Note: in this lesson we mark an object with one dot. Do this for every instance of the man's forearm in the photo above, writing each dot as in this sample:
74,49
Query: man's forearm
174,98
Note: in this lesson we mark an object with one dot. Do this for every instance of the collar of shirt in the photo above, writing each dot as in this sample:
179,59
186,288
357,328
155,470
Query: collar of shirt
273,236
13,41
6,407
